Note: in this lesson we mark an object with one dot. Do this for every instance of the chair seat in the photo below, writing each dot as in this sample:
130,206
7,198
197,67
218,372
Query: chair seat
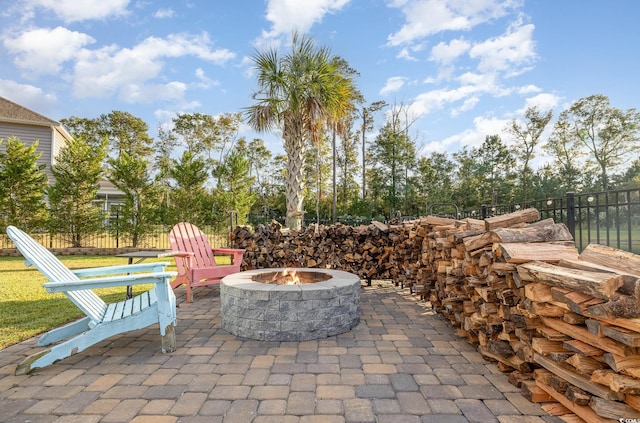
129,307
196,259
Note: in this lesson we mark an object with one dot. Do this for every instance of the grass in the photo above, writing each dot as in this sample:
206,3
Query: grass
27,309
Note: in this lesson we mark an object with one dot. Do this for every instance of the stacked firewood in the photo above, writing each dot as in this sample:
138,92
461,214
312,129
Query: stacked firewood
375,251
564,325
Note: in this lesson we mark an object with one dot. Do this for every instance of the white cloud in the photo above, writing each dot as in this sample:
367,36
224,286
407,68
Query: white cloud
205,81
445,53
529,89
430,101
110,70
428,17
44,50
28,96
393,84
474,137
289,15
405,54
286,15
74,10
506,52
164,13
544,102
467,105
148,93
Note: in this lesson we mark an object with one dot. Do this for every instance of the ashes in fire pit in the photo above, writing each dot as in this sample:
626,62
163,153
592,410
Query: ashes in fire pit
290,304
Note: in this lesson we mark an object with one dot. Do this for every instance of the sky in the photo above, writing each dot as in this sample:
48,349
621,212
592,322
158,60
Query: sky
462,69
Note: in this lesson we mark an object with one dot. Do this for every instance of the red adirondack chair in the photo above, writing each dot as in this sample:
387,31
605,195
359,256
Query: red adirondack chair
195,258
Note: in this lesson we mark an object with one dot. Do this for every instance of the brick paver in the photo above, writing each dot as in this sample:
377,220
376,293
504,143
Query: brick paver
402,363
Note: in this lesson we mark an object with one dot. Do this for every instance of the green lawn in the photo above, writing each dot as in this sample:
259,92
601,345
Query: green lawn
26,309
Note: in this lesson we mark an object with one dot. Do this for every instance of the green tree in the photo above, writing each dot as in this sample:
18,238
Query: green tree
495,171
162,164
568,156
484,174
435,179
299,93
393,153
467,190
609,135
366,114
527,137
347,168
91,130
234,194
126,134
132,176
77,172
23,186
189,200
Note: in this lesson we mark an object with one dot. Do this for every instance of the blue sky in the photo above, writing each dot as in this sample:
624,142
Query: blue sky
463,68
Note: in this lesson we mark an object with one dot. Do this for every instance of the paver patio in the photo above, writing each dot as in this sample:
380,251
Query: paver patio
402,363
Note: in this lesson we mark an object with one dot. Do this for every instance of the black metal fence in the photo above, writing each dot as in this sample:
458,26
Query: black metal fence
609,218
156,238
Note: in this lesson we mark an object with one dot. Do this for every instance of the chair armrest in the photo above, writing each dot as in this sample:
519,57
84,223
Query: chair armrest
236,254
125,268
109,282
181,254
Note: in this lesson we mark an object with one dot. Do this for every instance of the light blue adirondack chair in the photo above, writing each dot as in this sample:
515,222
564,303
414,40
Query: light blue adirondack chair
158,305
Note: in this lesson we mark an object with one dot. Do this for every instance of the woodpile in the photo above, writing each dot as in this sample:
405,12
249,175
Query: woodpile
564,325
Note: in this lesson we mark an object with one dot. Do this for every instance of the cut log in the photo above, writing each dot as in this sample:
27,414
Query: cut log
584,335
585,365
566,372
510,219
619,305
619,364
546,233
545,347
531,391
548,252
584,412
583,348
616,382
597,284
626,336
556,409
538,291
514,361
624,261
613,409
633,401
577,395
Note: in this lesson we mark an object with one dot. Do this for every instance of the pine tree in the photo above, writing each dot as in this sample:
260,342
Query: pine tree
23,186
77,172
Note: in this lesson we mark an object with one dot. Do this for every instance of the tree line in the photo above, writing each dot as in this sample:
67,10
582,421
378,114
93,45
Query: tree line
199,168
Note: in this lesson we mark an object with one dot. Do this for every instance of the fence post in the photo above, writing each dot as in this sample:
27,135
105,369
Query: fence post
483,209
571,214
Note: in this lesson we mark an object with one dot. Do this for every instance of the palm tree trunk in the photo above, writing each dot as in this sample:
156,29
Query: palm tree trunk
294,181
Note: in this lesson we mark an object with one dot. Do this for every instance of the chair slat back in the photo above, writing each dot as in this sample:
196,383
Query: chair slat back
188,237
42,259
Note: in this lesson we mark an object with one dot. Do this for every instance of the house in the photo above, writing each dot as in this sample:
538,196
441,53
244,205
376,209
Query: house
29,126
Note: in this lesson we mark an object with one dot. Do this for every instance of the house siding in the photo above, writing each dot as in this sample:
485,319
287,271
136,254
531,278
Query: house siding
28,134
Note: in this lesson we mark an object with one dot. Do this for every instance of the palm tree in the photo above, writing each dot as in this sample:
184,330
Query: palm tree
300,94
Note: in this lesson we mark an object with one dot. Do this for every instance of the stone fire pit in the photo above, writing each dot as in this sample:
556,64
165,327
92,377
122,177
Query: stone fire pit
273,305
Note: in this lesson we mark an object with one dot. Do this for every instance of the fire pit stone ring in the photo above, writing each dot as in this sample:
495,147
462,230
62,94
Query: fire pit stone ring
262,304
